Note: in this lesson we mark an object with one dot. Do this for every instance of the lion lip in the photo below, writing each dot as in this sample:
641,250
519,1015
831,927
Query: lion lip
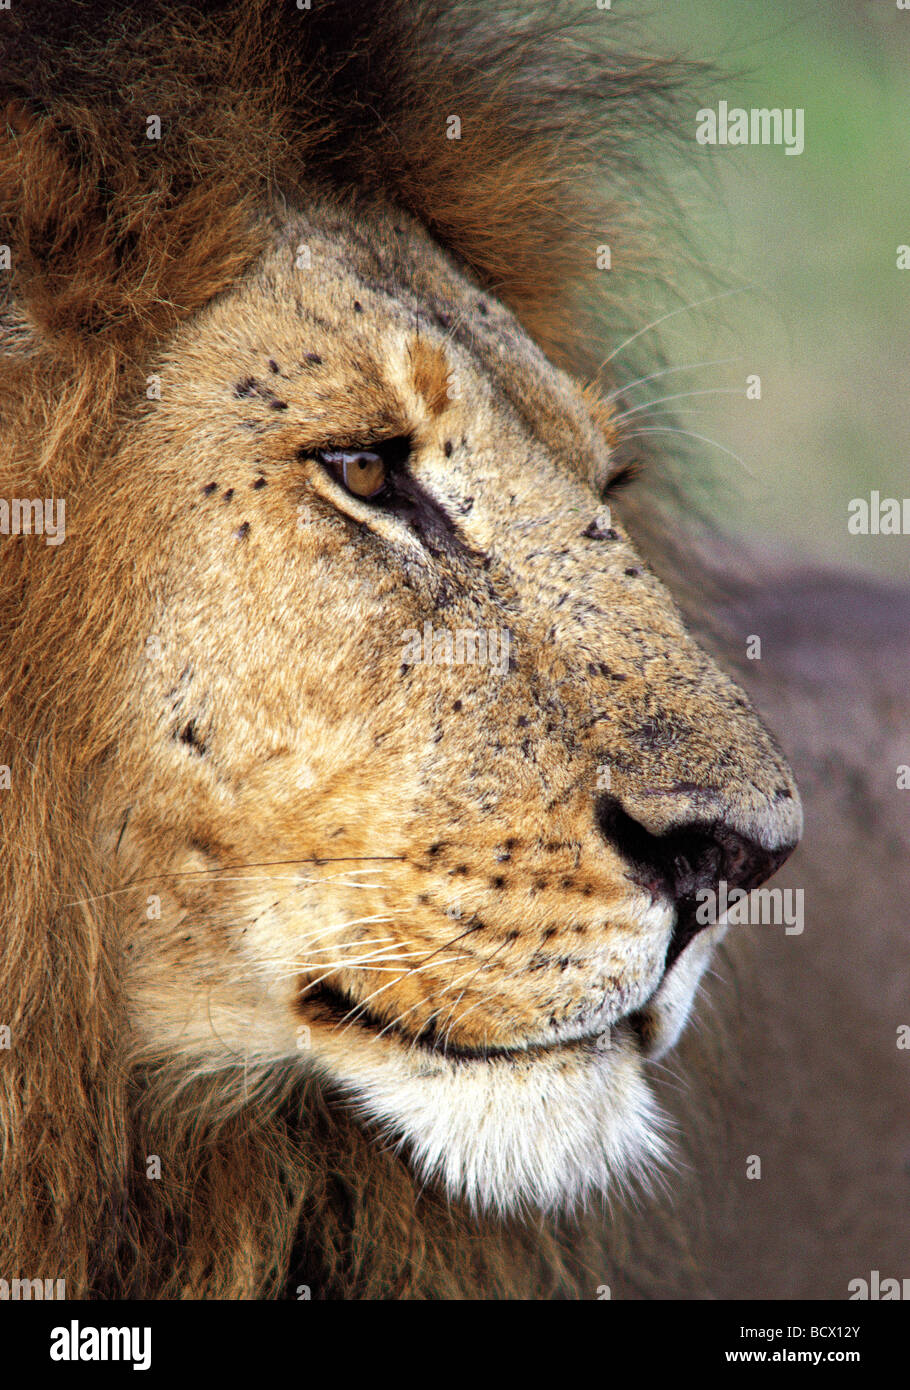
337,1009
659,1022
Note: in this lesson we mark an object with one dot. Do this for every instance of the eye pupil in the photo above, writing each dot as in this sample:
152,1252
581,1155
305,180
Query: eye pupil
368,470
362,471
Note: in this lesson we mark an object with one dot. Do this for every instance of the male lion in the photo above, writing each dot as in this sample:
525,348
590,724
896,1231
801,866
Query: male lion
365,788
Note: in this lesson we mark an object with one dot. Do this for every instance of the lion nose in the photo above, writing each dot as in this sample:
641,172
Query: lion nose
688,858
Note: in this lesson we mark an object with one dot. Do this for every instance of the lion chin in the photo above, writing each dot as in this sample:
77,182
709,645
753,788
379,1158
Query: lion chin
542,1128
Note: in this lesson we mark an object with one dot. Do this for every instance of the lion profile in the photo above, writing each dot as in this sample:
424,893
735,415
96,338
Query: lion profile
364,782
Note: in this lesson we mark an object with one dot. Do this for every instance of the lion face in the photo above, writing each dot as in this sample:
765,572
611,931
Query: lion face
424,772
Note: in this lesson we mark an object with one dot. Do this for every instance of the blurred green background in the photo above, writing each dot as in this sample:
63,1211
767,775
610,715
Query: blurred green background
821,312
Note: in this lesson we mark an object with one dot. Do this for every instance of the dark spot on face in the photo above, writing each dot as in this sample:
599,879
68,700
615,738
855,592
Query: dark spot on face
209,489
274,367
566,883
247,387
456,705
435,848
278,405
461,869
314,358
498,882
540,884
242,531
447,448
579,929
193,740
259,483
229,494
633,571
423,899
550,931
482,307
358,307
512,935
522,721
595,532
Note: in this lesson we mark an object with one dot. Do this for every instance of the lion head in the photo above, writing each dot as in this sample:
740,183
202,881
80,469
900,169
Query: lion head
361,723
423,766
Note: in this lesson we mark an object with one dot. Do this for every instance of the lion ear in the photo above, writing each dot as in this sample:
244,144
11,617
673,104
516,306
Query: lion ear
107,245
50,239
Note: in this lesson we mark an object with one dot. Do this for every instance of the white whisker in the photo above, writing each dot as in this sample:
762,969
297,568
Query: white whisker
668,371
684,308
665,429
679,396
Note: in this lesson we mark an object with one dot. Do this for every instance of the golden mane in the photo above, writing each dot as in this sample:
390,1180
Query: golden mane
114,238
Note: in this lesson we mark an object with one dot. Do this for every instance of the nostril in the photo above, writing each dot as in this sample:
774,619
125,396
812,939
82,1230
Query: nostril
643,851
688,856
686,860
679,861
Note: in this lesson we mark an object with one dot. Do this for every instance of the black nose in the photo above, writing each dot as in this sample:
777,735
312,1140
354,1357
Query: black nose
685,860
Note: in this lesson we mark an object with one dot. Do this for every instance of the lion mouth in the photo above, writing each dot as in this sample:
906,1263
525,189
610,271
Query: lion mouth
335,1008
652,1027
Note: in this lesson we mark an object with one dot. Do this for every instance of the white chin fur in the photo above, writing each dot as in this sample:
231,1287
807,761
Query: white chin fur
544,1130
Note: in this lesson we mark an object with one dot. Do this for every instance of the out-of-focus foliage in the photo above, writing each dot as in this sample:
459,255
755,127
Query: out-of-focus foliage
823,316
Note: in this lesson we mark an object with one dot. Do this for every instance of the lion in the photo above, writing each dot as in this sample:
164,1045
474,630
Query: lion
366,786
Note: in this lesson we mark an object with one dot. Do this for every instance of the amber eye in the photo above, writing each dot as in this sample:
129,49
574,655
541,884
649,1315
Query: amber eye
363,472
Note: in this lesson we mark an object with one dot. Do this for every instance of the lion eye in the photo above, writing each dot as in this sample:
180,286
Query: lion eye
363,472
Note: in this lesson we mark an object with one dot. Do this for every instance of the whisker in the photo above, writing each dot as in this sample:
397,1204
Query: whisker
352,945
368,963
483,965
313,984
668,371
679,396
342,926
416,969
227,868
453,984
683,309
303,962
665,429
404,1013
351,1017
